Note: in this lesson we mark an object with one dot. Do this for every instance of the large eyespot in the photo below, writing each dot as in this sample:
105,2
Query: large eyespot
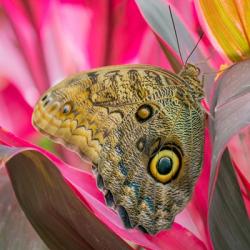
165,165
144,112
67,108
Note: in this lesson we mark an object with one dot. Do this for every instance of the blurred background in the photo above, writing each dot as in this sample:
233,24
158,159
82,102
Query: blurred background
42,42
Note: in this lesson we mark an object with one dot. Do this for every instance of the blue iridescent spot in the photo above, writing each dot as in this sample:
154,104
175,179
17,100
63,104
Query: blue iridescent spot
136,187
124,216
99,180
118,150
150,203
109,199
123,168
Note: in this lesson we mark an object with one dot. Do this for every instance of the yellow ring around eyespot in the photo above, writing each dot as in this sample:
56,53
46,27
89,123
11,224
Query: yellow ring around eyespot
143,113
163,178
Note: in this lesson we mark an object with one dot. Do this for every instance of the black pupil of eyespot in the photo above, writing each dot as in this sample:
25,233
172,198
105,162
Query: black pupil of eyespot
66,109
164,165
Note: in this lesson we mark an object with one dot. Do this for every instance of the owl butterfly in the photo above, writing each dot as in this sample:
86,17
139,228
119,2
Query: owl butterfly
143,129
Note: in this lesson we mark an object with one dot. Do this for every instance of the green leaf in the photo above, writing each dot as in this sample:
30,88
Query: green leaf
47,144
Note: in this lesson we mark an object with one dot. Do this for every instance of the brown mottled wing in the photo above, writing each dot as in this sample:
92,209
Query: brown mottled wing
96,114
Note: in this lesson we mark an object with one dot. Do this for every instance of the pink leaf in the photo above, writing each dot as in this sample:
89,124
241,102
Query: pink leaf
15,113
117,34
26,22
84,186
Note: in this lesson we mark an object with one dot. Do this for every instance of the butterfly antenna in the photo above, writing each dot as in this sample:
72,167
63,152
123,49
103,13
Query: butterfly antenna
194,48
178,45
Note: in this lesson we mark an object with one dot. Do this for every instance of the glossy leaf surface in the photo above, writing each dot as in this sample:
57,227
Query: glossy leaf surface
16,231
228,219
230,109
53,209
84,187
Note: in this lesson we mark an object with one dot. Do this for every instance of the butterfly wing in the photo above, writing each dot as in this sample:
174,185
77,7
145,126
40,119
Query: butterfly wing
142,128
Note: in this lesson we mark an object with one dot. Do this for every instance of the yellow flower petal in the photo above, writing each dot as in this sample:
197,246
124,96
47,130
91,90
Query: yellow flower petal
229,22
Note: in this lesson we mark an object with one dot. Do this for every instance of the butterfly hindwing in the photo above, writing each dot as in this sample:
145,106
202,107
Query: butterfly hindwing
143,129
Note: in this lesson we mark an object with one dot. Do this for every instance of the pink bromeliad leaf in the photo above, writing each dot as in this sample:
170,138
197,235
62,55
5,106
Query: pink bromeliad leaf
157,14
62,215
229,108
190,224
16,230
53,39
48,41
42,43
228,24
230,111
187,12
14,109
115,30
239,148
25,20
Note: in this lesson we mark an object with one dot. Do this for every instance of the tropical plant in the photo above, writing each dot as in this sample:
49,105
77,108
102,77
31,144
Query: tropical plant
41,42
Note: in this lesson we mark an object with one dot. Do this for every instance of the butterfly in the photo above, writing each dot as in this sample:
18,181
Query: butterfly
143,129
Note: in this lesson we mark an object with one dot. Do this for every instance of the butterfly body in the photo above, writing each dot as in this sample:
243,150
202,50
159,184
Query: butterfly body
143,129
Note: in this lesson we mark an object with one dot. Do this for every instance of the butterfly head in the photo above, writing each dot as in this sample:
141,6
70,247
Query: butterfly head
191,70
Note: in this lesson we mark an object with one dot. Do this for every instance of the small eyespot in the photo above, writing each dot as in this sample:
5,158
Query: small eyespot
165,165
141,144
144,112
67,108
124,216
